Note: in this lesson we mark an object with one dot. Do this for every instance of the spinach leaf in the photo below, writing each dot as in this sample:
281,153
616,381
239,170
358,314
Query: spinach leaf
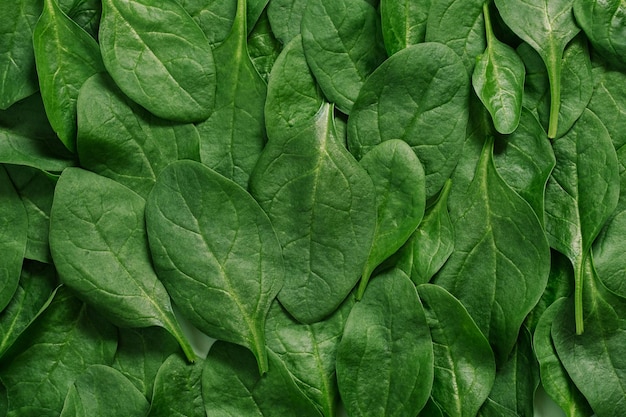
608,248
385,357
341,34
148,144
432,243
58,347
227,286
603,23
63,71
232,139
427,109
92,392
309,351
13,238
285,18
18,78
214,17
399,184
501,254
36,190
33,295
547,27
581,194
321,203
525,160
148,62
86,14
459,24
594,360
177,389
99,246
140,354
26,138
498,79
554,377
516,381
403,23
263,47
231,386
465,367
293,97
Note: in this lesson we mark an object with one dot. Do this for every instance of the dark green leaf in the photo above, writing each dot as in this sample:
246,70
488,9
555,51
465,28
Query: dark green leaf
608,251
62,71
215,17
581,194
86,14
223,274
465,367
547,27
147,145
285,17
385,357
427,109
321,203
403,23
501,261
341,34
232,139
232,386
99,246
263,47
149,62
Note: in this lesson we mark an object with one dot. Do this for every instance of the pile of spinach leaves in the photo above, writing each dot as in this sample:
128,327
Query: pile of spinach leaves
393,207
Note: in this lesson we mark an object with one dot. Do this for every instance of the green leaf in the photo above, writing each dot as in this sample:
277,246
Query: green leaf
403,23
321,203
501,261
608,249
13,238
603,23
214,17
309,351
99,246
263,47
103,391
594,360
149,62
86,14
432,243
148,144
140,354
554,378
58,347
293,98
18,76
26,138
223,274
399,184
385,357
177,389
581,194
285,18
465,367
36,189
458,24
341,34
33,295
232,139
62,71
498,79
231,386
427,109
547,27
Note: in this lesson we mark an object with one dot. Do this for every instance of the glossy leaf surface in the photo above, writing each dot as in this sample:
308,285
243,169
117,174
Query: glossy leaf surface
177,389
603,23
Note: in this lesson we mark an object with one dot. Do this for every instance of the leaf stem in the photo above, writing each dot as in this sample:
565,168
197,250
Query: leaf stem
578,294
176,331
554,77
488,28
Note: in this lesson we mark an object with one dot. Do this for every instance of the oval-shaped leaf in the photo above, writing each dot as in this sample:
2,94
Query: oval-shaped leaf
607,254
120,140
403,23
603,23
427,109
216,252
341,34
172,74
100,249
177,389
62,70
501,254
465,367
399,183
286,17
385,357
321,203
